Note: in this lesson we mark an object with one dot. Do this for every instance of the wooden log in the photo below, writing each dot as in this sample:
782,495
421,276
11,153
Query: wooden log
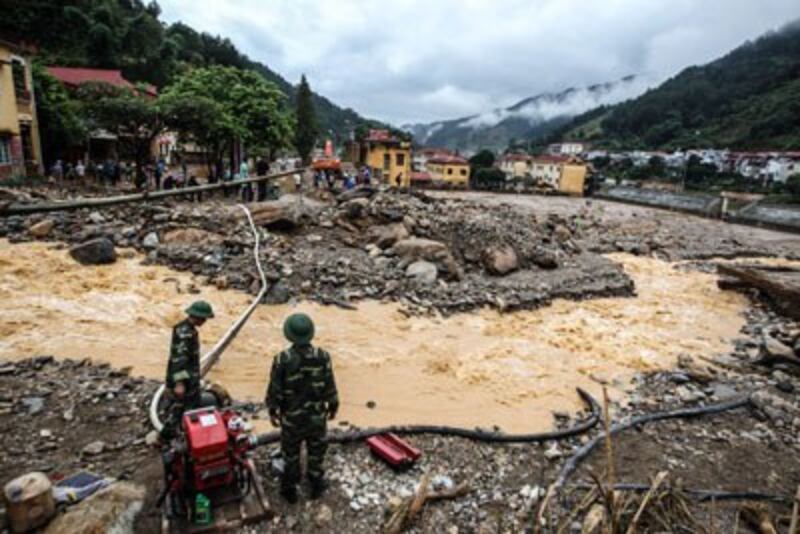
781,284
101,202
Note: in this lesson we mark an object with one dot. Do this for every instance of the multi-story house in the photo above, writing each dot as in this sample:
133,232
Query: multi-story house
20,148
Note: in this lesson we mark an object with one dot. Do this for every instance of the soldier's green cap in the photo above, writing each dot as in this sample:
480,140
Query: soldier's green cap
200,309
299,328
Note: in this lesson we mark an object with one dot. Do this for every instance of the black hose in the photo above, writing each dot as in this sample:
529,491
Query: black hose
683,413
473,434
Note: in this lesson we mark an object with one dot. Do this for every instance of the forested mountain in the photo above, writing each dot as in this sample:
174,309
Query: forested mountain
748,99
531,117
128,35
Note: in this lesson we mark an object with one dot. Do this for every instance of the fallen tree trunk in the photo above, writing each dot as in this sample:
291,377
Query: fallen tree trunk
780,284
100,202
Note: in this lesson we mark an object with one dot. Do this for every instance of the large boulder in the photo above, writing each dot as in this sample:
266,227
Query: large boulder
500,260
416,248
42,229
387,235
423,272
112,509
94,252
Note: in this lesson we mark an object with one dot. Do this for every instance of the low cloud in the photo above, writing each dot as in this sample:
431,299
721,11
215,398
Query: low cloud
413,61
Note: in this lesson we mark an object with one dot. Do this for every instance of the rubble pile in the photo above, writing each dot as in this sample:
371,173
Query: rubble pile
426,253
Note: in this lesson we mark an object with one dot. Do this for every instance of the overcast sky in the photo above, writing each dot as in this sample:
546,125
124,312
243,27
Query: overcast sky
423,60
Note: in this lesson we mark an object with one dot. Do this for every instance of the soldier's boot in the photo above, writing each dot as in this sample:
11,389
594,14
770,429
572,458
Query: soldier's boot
318,487
289,492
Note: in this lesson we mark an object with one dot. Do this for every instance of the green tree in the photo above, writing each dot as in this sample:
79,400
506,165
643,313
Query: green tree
306,128
61,118
482,160
129,115
216,106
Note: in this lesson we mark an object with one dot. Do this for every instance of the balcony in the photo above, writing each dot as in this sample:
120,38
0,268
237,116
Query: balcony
23,96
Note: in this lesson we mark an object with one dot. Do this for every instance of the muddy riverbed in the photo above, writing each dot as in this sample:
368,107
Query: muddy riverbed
481,369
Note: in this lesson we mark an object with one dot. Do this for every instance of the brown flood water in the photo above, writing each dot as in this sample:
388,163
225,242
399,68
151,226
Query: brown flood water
479,369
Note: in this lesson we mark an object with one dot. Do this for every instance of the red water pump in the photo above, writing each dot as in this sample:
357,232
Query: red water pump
211,457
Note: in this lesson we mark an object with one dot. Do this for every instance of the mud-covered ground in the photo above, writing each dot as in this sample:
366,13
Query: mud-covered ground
53,413
61,416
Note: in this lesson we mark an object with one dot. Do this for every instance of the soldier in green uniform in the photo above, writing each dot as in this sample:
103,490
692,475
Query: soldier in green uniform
300,397
183,369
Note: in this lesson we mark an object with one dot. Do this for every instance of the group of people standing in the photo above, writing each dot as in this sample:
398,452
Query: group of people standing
327,178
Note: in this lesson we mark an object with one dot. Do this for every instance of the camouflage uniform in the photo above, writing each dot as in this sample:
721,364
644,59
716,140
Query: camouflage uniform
302,391
183,366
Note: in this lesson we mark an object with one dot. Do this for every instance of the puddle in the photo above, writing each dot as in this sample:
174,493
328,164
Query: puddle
479,369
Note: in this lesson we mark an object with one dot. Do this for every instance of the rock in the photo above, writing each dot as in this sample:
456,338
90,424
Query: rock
278,293
722,392
423,272
688,395
562,233
33,404
42,228
112,509
785,385
442,482
323,516
46,433
94,252
553,452
96,218
500,260
387,235
545,259
771,347
416,248
190,236
150,241
94,448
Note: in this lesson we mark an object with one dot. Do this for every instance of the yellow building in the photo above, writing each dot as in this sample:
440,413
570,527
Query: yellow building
20,149
450,170
388,158
573,178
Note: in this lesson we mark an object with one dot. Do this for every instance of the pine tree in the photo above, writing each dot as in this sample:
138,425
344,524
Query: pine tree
306,130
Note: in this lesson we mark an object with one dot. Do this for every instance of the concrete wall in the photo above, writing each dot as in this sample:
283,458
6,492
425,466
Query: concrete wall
707,205
774,215
784,217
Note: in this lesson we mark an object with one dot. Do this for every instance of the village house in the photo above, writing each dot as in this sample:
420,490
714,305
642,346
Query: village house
516,165
388,158
422,156
101,144
20,148
567,148
449,170
546,169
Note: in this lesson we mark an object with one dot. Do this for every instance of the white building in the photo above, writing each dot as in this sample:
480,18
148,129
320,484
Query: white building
567,148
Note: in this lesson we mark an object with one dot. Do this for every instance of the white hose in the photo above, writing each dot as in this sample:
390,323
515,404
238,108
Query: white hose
212,357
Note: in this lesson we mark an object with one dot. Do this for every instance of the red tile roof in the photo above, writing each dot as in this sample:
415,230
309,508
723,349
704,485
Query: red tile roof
78,76
515,157
448,160
420,177
548,158
381,136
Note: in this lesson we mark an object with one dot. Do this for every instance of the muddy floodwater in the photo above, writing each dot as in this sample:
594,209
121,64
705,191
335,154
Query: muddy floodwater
481,369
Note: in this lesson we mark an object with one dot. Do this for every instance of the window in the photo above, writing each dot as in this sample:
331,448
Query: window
449,171
400,159
5,151
20,84
463,172
387,162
